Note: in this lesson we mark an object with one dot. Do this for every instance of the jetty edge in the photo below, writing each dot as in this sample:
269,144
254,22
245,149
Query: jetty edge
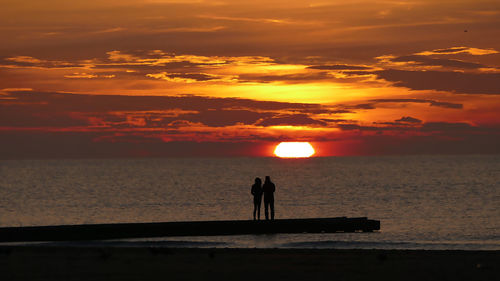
187,228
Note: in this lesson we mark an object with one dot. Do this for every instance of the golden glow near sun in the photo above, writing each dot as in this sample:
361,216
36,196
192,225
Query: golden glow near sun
294,150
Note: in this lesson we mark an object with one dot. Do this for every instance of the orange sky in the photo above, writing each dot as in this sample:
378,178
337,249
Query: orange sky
234,78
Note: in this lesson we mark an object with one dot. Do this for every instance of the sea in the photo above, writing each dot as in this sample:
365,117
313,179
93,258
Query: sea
423,202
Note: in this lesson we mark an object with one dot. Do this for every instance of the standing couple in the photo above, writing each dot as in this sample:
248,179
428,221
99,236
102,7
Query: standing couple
268,190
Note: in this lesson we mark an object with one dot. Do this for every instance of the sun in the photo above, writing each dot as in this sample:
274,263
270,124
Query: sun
294,150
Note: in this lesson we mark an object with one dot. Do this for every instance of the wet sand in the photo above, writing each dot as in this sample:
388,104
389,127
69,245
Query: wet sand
150,263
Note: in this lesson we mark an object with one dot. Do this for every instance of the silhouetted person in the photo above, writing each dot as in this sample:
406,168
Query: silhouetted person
257,197
268,189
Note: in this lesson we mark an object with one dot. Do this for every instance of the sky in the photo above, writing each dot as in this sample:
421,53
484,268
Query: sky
172,78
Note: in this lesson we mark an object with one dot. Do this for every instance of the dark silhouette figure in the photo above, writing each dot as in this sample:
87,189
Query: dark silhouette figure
257,197
269,189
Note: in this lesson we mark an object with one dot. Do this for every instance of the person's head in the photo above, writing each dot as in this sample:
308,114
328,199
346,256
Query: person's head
268,179
258,181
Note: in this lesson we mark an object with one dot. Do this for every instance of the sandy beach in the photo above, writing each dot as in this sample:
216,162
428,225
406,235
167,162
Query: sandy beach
152,263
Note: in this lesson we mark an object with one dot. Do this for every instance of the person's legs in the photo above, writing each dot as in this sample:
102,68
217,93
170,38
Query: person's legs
271,203
258,211
266,205
254,209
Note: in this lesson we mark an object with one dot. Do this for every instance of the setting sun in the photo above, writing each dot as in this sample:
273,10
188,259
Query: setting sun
294,150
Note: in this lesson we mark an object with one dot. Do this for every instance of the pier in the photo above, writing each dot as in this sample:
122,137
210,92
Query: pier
191,228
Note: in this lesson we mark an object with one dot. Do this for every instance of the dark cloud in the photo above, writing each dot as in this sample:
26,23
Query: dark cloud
221,118
350,127
42,109
10,117
428,61
372,104
430,102
400,123
451,50
341,111
291,120
387,126
338,67
354,73
54,102
344,108
466,83
191,76
330,120
316,111
362,106
408,119
434,127
446,104
445,126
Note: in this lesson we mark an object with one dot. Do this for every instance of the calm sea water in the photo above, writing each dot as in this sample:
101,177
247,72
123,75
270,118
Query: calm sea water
423,202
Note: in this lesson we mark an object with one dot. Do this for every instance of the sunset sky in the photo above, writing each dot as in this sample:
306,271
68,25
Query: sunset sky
136,78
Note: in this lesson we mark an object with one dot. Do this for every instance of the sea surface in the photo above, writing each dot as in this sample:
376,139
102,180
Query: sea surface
423,202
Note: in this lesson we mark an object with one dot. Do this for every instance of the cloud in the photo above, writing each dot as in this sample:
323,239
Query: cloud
185,77
286,50
28,61
409,124
339,67
430,102
159,57
48,124
78,75
221,118
408,119
373,104
14,116
53,101
446,104
361,106
466,83
400,123
184,69
149,60
427,61
290,120
25,59
446,126
47,109
459,50
388,127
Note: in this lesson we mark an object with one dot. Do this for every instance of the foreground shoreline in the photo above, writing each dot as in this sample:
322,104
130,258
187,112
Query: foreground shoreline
38,262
